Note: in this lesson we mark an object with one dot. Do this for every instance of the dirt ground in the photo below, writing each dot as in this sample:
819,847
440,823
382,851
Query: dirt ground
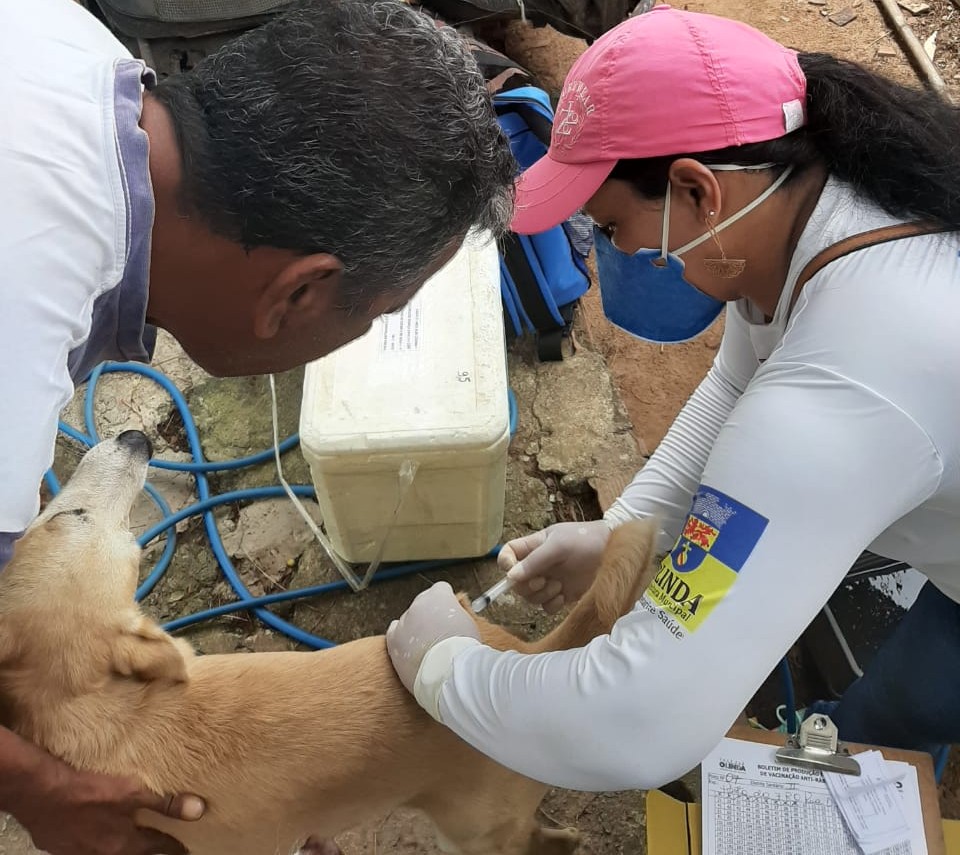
557,464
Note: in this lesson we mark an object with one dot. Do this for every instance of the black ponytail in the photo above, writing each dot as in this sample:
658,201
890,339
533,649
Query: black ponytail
896,145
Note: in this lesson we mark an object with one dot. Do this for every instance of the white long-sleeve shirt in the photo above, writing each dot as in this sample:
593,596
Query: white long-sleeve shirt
75,229
810,440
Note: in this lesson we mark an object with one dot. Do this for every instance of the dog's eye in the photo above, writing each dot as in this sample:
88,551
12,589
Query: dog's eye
74,512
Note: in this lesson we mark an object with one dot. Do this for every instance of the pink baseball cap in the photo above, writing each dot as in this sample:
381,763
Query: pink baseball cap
664,82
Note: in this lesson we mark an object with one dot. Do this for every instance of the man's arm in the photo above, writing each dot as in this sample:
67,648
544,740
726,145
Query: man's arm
67,812
21,769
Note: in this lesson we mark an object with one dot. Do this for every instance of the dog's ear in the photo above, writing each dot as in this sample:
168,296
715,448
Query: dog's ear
142,650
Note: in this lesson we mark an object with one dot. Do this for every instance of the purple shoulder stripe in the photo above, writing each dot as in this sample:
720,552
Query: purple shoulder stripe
7,539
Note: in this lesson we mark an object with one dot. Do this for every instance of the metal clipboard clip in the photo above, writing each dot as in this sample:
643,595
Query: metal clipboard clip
816,746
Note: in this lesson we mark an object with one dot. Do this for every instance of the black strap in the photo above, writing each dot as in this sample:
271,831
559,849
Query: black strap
528,288
550,346
855,243
487,57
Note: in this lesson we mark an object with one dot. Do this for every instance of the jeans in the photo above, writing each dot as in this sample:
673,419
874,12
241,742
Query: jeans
909,694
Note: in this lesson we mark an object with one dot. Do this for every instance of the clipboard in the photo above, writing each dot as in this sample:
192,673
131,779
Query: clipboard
923,762
674,827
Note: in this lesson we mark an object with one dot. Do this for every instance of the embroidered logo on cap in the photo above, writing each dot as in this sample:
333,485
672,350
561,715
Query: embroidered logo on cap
572,112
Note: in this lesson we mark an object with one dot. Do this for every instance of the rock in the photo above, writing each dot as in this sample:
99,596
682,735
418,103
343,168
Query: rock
234,419
914,7
215,641
264,641
594,438
270,533
527,507
843,17
14,840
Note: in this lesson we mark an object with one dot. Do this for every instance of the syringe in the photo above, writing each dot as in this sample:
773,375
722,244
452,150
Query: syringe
488,596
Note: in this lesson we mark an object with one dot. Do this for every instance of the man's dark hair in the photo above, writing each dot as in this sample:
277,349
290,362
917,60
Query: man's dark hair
357,128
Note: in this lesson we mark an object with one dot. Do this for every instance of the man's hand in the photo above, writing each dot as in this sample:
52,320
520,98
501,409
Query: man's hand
67,812
434,615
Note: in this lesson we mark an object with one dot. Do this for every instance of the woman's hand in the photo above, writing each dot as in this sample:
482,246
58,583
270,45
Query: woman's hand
555,566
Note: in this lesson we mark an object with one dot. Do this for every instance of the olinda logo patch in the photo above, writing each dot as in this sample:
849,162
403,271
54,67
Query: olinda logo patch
717,538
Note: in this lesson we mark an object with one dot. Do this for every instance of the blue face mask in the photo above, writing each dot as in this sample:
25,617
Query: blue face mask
645,294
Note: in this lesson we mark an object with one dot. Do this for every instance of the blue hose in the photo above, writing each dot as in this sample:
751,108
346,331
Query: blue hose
940,765
199,467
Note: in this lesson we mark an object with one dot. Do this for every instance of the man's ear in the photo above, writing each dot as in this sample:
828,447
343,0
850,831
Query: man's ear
304,289
143,651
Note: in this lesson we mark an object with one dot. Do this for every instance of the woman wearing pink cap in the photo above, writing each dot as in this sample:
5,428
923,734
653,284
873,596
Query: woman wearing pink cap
820,203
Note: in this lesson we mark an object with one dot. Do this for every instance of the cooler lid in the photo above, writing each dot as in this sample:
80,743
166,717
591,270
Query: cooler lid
432,376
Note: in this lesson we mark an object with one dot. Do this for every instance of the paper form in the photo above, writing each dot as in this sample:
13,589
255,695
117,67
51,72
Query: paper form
754,805
871,804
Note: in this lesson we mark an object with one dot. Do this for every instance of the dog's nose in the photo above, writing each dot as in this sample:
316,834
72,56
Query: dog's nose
137,442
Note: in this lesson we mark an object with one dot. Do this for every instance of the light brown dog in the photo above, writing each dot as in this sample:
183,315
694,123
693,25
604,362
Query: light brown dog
281,745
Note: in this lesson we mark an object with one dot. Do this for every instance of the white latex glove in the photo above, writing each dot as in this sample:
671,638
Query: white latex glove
556,565
434,615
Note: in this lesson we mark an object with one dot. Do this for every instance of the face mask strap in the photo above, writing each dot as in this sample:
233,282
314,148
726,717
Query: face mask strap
746,209
739,167
665,225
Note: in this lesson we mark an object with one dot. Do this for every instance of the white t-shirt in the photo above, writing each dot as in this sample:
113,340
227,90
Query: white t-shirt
75,228
809,441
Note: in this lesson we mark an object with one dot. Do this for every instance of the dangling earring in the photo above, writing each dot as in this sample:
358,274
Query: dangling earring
725,268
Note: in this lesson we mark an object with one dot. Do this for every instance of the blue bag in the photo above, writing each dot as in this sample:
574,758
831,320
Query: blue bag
542,276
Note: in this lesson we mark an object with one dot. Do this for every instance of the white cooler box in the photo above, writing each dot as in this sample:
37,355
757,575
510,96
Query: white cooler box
426,388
